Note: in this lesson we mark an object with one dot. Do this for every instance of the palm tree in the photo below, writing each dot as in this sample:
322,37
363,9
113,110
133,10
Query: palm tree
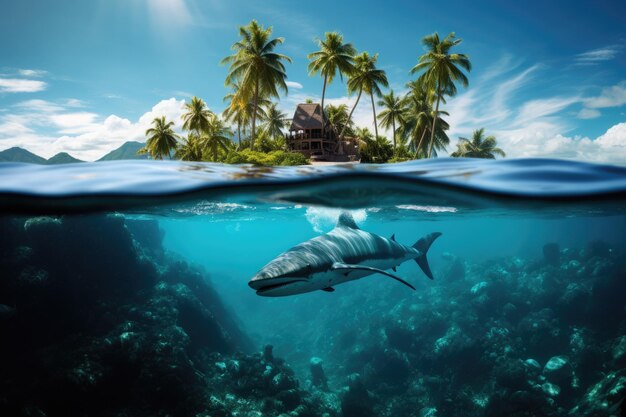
236,110
256,67
161,139
197,115
478,146
275,121
417,118
393,111
338,118
333,56
240,112
217,136
417,125
366,78
189,149
441,70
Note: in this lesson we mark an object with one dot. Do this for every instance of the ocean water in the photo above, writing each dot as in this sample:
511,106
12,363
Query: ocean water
124,290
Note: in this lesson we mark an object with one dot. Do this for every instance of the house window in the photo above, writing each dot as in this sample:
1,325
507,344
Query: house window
316,145
316,133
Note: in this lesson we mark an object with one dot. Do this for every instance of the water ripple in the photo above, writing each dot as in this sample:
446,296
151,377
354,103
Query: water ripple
446,182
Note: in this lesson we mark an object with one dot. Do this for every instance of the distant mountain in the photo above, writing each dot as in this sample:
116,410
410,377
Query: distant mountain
20,155
62,158
127,151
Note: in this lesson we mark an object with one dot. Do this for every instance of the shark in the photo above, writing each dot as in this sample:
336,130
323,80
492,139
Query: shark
344,254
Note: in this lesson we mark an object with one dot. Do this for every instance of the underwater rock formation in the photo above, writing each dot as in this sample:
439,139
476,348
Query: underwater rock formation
100,321
510,337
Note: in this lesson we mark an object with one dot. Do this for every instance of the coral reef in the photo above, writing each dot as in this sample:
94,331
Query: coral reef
101,322
511,337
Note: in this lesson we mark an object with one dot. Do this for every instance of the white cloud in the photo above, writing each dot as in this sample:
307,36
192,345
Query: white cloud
543,139
83,134
294,85
537,109
41,106
613,96
588,114
74,102
16,85
72,123
32,73
536,127
596,56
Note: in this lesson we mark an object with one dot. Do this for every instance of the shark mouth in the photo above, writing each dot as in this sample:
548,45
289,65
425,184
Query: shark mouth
271,287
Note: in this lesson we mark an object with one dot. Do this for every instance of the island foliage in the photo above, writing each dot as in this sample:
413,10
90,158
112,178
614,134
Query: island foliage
251,128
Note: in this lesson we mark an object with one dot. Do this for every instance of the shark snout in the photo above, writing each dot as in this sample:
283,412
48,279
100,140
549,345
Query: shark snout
263,280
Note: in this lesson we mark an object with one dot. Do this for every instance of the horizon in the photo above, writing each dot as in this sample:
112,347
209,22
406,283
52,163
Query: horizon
546,81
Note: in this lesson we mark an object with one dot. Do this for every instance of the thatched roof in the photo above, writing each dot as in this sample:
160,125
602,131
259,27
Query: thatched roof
307,116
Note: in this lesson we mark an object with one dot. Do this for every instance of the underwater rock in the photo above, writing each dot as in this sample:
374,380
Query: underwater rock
513,375
101,329
268,353
550,389
357,402
318,378
552,253
597,248
604,398
619,352
558,370
148,235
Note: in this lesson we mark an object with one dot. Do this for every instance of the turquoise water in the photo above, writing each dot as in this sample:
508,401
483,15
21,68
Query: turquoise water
125,291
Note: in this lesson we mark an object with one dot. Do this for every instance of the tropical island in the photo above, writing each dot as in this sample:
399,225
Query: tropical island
252,129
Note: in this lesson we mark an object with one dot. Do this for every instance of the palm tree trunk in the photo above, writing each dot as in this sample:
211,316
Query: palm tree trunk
238,133
374,111
323,95
254,111
432,132
417,150
350,115
393,126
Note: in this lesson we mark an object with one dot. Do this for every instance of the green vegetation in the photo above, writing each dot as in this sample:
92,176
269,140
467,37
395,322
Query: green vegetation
366,78
333,57
255,68
441,71
392,113
251,128
162,139
478,146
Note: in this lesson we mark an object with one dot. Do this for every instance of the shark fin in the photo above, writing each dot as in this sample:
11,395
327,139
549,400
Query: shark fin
423,245
394,269
393,237
328,289
346,220
337,266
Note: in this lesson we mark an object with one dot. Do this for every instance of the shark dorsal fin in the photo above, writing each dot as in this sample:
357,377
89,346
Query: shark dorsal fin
393,237
346,220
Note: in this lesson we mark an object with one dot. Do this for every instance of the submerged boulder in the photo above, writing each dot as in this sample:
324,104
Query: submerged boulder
101,329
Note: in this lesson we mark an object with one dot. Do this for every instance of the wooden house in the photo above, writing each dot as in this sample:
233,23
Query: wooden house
308,136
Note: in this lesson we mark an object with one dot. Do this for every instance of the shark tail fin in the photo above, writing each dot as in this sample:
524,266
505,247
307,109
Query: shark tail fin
423,245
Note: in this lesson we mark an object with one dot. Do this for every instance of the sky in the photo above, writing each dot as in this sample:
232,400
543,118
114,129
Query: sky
83,77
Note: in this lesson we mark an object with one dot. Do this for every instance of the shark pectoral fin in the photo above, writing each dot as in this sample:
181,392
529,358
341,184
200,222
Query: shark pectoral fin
337,266
394,269
328,289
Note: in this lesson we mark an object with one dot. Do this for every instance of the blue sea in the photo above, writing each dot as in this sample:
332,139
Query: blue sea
124,290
